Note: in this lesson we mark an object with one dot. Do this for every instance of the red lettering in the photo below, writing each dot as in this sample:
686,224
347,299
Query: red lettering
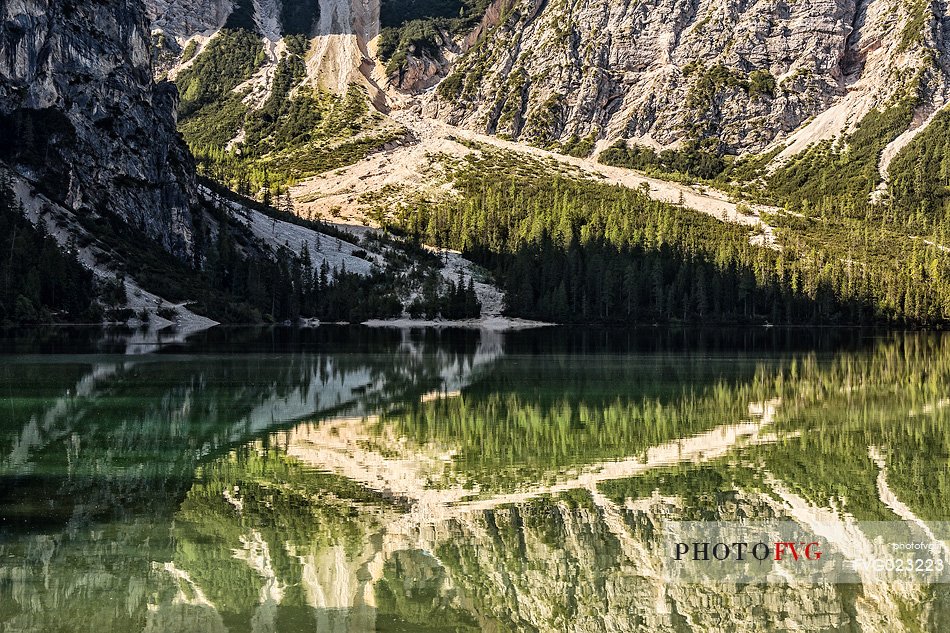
781,547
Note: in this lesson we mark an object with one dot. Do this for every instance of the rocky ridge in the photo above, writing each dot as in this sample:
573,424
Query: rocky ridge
761,76
83,119
740,75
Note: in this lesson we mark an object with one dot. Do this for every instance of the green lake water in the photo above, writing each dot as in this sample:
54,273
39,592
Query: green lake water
347,479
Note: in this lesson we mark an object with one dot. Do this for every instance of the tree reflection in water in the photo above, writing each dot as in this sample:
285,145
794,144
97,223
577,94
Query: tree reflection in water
456,482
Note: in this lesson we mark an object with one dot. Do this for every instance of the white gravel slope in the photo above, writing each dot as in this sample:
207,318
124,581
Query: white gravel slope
348,194
61,225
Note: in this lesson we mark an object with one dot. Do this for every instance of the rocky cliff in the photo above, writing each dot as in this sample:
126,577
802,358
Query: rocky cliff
186,18
740,74
83,120
736,76
340,32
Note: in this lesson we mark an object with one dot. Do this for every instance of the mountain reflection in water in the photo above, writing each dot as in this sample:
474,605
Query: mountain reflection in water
354,480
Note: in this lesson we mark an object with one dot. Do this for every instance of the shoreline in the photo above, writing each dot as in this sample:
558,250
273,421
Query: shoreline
489,323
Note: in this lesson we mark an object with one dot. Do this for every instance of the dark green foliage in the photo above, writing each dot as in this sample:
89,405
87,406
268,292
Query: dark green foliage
387,43
708,82
580,147
398,12
297,44
215,124
39,283
457,301
229,60
913,32
416,26
415,36
451,87
761,82
849,169
135,255
190,49
112,292
714,77
865,251
576,251
211,113
919,176
691,160
292,119
745,170
284,123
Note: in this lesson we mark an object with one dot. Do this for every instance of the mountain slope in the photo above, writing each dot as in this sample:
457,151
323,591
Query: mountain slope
795,105
96,164
719,76
273,91
739,75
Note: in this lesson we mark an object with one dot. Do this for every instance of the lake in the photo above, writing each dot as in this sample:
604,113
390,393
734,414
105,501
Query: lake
353,479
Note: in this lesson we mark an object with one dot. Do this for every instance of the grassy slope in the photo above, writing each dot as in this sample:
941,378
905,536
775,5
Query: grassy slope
298,131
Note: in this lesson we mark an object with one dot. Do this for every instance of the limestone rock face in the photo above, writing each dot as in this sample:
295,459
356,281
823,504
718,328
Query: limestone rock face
185,18
738,75
84,120
340,35
743,74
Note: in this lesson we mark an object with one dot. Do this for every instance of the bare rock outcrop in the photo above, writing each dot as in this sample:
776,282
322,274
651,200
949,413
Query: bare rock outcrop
83,119
741,74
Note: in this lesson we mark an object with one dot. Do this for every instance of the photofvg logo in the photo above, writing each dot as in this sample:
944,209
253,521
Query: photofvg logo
741,550
787,551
